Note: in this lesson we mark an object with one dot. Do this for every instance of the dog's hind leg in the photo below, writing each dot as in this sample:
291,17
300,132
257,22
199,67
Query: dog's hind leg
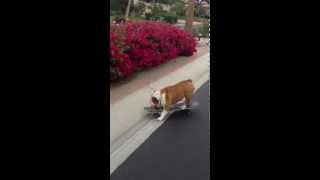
188,102
188,97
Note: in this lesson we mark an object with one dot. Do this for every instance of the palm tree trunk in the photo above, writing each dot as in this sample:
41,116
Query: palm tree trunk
128,9
189,16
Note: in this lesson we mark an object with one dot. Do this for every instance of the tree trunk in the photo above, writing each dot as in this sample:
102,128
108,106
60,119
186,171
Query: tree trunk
128,9
189,16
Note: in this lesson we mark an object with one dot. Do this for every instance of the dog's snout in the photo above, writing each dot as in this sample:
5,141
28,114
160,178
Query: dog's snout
154,100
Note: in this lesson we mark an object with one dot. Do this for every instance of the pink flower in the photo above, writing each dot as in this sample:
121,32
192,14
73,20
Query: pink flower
147,44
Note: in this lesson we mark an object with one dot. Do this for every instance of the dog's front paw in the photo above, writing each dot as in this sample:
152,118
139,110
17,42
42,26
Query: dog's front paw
160,118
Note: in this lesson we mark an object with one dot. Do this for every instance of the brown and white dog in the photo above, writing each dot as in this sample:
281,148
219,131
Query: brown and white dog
170,95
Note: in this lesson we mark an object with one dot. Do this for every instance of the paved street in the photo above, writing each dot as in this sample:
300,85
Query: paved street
178,150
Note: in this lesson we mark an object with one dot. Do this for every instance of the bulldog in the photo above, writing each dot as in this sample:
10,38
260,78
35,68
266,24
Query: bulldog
168,96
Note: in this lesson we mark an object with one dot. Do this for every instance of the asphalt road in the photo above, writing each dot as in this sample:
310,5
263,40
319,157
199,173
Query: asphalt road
178,150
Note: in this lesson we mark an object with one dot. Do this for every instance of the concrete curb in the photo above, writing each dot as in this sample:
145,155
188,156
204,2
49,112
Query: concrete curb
129,131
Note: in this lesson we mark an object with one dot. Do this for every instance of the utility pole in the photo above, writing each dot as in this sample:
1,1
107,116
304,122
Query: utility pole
189,15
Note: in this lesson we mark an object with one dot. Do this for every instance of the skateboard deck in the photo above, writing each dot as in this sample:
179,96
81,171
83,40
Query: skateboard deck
178,107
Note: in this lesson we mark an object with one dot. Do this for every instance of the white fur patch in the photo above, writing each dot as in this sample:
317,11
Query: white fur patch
164,112
163,115
181,101
157,95
163,99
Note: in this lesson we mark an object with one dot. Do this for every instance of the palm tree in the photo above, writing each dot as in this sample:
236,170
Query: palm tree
128,9
189,15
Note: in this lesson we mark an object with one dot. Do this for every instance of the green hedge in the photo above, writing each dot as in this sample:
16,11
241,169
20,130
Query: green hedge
166,17
169,17
203,30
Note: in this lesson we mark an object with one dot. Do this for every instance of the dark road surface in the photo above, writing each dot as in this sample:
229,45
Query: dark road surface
178,150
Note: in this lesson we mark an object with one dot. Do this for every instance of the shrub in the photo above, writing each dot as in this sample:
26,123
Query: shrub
120,19
164,16
120,64
139,9
157,9
203,30
166,1
202,12
140,45
170,18
156,13
118,5
148,16
179,8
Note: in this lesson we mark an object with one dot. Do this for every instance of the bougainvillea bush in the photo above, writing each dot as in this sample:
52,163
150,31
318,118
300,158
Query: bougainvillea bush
139,45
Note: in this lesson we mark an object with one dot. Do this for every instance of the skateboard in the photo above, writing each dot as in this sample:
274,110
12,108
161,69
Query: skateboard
156,112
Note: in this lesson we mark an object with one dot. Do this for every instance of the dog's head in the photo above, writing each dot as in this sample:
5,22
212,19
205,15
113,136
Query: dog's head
155,99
